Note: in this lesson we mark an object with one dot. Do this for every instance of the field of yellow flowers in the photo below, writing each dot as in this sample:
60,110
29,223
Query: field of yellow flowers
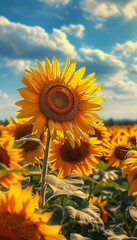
64,174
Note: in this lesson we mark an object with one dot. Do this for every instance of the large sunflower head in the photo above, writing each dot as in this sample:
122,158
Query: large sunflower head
80,159
31,150
10,158
18,220
63,98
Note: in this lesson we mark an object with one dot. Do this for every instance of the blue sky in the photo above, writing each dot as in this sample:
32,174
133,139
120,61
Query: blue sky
98,34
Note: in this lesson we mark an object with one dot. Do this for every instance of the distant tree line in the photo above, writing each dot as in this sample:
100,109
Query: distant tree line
5,122
109,122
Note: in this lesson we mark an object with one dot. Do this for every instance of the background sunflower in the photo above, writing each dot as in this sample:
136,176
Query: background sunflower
18,219
32,151
80,159
10,158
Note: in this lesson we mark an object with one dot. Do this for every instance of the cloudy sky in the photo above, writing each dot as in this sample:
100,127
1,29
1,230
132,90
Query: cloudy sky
98,34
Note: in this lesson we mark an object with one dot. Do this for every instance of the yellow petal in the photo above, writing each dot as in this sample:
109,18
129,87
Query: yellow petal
39,125
42,71
65,68
77,76
48,68
28,95
55,68
70,72
14,198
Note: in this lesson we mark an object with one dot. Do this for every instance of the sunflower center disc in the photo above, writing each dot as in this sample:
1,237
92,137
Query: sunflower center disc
58,102
74,155
22,131
4,158
120,152
60,99
97,134
133,140
16,227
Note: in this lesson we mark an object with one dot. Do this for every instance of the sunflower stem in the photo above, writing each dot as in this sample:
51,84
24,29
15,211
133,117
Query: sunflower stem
90,190
127,228
44,171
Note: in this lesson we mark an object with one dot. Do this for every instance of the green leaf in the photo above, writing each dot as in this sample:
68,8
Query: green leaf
90,214
112,236
110,183
133,212
75,179
58,214
71,184
75,236
120,231
4,170
102,166
31,137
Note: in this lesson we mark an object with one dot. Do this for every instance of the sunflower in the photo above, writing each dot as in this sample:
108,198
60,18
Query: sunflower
100,203
63,98
102,134
1,129
31,150
132,135
80,159
10,157
117,152
129,167
118,132
18,220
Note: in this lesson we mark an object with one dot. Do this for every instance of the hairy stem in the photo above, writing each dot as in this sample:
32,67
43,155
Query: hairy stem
90,190
127,228
44,171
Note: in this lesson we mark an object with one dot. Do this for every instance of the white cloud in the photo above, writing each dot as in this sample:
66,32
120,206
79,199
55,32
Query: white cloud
119,109
125,49
62,43
99,25
118,86
120,89
99,57
3,95
55,3
22,41
109,94
99,9
130,9
7,109
134,68
112,73
102,10
135,59
16,66
77,30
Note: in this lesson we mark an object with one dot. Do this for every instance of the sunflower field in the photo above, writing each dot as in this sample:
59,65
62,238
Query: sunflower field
64,173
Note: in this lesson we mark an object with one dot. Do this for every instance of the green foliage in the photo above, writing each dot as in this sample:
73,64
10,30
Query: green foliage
81,220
